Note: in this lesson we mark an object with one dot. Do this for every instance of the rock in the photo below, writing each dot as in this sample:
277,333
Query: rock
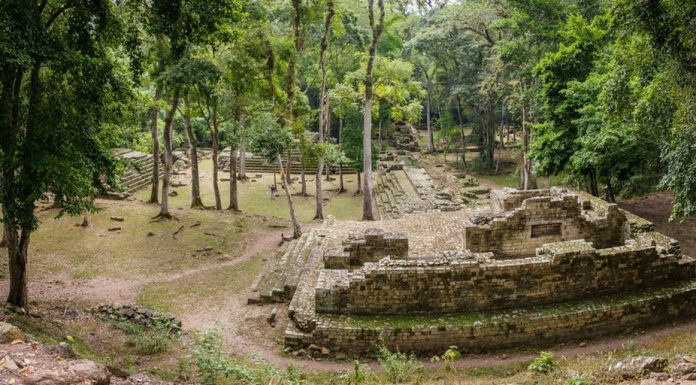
63,350
685,369
582,344
633,367
173,193
117,219
325,351
117,228
150,234
313,348
69,373
272,317
478,324
9,333
659,376
8,363
116,372
341,356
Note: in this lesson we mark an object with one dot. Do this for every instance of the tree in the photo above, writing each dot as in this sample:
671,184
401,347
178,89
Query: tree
270,140
54,61
324,115
377,29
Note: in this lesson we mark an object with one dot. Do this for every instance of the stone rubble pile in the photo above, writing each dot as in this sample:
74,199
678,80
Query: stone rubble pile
143,317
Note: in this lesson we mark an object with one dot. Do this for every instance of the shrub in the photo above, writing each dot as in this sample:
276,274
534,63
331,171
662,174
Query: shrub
544,363
449,357
398,367
577,379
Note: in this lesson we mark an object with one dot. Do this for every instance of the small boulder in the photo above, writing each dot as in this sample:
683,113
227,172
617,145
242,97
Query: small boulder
117,219
9,333
69,373
685,369
63,350
272,317
633,367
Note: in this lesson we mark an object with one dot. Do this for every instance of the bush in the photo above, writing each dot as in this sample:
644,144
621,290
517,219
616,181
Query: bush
449,357
398,367
145,341
544,363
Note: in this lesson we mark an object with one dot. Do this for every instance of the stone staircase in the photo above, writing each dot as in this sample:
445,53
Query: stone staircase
280,283
257,164
138,173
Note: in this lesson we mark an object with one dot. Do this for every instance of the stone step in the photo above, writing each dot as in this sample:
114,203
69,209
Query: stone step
271,279
296,265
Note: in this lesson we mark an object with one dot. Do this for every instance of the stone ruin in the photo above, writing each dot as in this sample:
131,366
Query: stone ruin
406,138
536,267
402,189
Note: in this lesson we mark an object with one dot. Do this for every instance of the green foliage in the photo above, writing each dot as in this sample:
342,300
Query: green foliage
398,367
545,363
268,139
449,357
577,379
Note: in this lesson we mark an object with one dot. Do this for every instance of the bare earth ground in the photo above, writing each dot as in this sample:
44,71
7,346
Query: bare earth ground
201,266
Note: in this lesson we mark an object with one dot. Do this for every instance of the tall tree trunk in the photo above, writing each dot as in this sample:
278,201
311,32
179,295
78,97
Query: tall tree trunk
609,192
368,214
17,251
234,204
242,162
359,190
323,108
431,140
340,164
296,229
462,134
168,120
154,113
303,179
196,202
288,165
216,149
592,180
379,134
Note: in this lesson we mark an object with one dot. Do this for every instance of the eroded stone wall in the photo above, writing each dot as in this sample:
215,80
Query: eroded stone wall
370,246
561,272
539,220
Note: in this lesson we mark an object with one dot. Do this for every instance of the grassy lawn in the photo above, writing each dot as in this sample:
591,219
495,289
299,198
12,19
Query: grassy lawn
141,246
254,196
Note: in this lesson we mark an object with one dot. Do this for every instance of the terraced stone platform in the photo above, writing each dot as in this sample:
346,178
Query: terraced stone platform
534,267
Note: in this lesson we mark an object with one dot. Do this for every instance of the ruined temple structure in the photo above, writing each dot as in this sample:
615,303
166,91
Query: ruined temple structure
534,267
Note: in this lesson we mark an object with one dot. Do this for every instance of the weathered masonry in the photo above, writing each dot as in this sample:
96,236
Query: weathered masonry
535,267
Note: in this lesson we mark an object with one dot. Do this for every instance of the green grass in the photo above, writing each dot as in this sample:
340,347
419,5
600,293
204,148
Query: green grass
142,246
184,294
254,196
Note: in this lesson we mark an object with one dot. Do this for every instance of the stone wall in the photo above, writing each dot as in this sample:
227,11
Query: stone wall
484,332
562,271
541,219
370,246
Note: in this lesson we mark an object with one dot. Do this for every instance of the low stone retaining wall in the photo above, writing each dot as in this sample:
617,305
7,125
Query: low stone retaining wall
562,271
482,332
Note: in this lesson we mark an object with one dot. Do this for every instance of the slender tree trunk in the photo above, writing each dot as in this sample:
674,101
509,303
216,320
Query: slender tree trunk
368,214
592,177
85,218
303,179
242,162
196,202
17,251
528,181
216,149
341,188
296,229
234,204
462,134
431,140
609,191
359,190
169,119
155,147
287,167
379,134
323,109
